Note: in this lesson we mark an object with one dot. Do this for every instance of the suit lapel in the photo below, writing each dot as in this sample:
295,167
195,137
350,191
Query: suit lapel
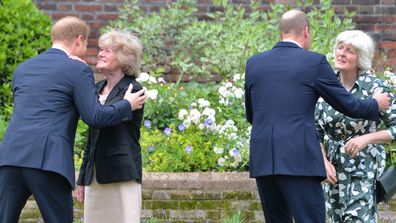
118,88
100,85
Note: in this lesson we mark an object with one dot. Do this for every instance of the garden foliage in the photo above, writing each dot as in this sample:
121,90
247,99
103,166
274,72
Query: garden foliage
25,32
176,41
206,130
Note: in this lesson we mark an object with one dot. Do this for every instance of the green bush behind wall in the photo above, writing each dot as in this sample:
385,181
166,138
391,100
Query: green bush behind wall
176,41
25,32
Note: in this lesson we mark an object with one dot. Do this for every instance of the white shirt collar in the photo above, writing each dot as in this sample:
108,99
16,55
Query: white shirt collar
291,41
61,48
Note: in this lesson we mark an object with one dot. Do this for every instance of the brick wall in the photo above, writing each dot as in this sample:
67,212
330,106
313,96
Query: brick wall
375,16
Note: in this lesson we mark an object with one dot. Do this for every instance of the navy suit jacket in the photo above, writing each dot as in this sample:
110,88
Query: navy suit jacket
282,86
51,92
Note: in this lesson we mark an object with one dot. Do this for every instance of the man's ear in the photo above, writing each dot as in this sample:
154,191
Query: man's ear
306,31
79,40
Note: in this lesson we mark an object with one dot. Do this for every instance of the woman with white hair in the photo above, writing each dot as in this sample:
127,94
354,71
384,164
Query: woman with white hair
112,165
353,148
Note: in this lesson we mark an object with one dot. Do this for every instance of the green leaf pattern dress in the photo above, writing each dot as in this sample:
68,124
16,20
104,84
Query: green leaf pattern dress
352,199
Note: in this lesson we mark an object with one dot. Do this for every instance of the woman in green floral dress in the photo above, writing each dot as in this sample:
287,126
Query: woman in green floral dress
354,147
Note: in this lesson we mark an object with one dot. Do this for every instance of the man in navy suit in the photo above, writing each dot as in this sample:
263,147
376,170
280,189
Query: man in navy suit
282,86
51,91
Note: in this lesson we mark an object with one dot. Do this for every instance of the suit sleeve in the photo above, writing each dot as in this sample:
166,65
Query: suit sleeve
91,111
331,90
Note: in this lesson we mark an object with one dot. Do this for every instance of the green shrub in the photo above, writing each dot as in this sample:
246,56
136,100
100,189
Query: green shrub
25,32
180,43
158,31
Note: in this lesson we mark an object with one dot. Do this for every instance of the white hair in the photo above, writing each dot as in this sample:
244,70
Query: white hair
363,44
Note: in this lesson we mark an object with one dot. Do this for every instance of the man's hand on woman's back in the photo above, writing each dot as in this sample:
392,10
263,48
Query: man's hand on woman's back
383,100
136,99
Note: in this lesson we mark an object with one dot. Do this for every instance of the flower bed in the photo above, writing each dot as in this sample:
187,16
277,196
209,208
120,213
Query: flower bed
189,129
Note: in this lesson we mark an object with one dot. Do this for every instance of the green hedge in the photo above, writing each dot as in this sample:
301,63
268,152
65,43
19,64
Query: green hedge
25,32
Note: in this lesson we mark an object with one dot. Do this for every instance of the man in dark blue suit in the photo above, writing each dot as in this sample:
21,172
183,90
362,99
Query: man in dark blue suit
51,91
282,86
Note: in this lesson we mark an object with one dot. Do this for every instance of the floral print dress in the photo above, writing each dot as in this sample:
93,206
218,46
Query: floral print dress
352,198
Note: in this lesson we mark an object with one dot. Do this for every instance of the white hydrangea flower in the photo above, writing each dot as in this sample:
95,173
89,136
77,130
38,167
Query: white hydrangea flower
230,122
218,150
209,112
152,94
221,161
143,77
203,103
152,80
182,114
212,128
187,122
249,131
222,91
237,77
223,101
239,93
195,116
232,135
220,129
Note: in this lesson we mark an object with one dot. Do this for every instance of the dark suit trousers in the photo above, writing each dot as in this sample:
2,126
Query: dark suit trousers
51,191
286,197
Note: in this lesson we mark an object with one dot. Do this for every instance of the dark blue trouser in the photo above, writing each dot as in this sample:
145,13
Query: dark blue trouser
286,197
51,191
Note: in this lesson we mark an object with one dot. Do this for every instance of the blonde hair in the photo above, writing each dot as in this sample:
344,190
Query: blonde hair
128,50
363,44
68,29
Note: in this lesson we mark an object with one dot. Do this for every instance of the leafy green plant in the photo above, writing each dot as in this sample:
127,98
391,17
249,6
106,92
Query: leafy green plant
180,43
325,25
25,33
157,31
235,218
